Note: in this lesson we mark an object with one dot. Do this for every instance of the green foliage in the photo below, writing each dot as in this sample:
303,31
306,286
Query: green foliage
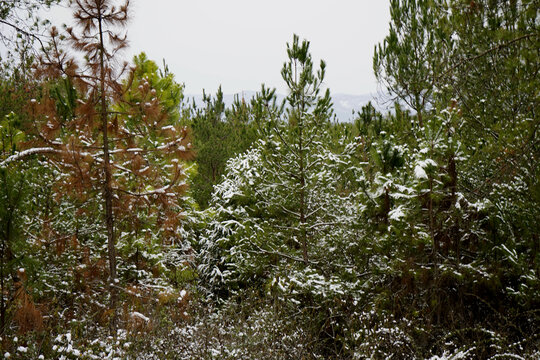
65,96
10,134
170,93
219,134
413,53
456,205
13,189
411,234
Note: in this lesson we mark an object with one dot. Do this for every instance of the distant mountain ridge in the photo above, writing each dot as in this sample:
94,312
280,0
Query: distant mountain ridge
345,105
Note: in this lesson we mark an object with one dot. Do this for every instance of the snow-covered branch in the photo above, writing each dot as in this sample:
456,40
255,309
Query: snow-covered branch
22,154
161,190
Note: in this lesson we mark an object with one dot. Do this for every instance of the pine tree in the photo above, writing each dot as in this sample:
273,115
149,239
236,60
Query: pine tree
211,139
293,145
474,162
220,133
15,179
106,135
412,54
287,204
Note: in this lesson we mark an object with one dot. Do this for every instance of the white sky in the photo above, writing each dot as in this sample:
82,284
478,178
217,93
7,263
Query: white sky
241,44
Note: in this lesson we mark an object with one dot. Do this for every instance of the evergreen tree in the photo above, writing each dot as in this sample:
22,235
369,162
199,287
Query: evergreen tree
219,134
13,187
286,205
413,53
292,146
107,140
478,79
211,139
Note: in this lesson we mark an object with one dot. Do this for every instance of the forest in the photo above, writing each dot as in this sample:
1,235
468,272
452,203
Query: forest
136,224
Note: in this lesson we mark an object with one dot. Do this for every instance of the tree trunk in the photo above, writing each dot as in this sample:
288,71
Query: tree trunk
303,219
302,187
419,109
2,287
107,188
431,219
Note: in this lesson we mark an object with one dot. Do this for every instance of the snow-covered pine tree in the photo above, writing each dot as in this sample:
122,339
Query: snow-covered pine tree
286,211
293,146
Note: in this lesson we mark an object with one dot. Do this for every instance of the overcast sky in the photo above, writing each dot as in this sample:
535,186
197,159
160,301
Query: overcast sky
241,44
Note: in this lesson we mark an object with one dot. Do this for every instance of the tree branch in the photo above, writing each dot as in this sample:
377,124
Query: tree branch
24,32
484,53
25,153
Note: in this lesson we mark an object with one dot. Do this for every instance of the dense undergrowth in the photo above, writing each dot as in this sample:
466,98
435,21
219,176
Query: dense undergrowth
265,230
